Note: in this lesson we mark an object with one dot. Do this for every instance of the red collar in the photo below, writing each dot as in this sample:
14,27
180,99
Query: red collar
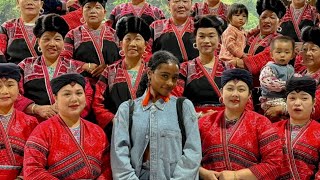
148,96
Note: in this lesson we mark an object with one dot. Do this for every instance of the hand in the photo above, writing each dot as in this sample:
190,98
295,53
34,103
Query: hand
44,111
98,70
209,112
274,111
71,2
89,67
211,175
227,175
55,107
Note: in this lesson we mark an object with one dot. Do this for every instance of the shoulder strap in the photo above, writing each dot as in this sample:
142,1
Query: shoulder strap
179,106
131,109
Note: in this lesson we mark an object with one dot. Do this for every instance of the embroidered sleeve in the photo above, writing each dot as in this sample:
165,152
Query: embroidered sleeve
188,165
3,44
89,97
179,89
298,64
36,155
268,79
68,46
120,146
270,149
316,113
106,166
255,63
103,115
230,42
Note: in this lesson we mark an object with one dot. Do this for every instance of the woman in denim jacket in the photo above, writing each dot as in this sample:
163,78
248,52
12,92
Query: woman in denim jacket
151,147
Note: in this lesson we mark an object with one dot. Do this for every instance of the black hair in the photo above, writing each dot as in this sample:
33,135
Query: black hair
236,8
282,39
209,21
158,58
50,22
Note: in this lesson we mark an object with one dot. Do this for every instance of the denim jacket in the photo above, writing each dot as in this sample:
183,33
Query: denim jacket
157,124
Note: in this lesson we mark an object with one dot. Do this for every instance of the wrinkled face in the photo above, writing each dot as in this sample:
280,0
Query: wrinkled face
207,40
9,92
71,100
93,13
238,20
164,79
235,95
30,7
299,105
268,22
51,45
282,52
311,55
180,9
133,45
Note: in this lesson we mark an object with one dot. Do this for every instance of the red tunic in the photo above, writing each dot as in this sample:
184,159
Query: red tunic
14,137
252,143
113,88
52,152
35,84
301,155
202,8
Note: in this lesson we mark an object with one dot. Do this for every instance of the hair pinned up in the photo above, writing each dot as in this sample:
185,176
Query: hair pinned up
50,22
209,21
275,6
132,24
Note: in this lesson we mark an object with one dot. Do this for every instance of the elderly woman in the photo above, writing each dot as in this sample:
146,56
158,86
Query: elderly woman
310,59
213,7
67,146
176,33
298,15
199,78
15,126
139,8
238,143
119,81
94,42
16,38
38,71
156,136
258,42
300,133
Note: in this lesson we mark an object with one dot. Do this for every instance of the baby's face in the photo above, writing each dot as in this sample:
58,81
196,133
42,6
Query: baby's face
282,52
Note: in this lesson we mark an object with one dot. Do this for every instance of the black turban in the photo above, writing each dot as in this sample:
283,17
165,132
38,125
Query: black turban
210,21
65,79
10,70
102,2
239,74
132,24
311,34
275,6
305,84
50,22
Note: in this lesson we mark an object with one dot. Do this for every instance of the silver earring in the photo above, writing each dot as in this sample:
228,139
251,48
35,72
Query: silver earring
195,45
39,49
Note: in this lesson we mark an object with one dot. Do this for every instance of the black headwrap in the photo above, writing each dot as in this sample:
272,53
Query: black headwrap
102,2
210,21
50,22
318,6
311,34
10,70
132,24
65,79
305,84
275,6
239,74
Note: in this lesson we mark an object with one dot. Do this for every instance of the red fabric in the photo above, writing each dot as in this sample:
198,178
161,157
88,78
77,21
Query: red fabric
22,103
148,96
298,64
255,63
14,138
32,68
305,148
73,18
52,152
253,144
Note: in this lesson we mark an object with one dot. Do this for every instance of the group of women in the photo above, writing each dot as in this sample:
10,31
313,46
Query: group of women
141,125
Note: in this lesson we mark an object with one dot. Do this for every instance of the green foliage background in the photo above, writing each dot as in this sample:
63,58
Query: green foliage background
8,9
